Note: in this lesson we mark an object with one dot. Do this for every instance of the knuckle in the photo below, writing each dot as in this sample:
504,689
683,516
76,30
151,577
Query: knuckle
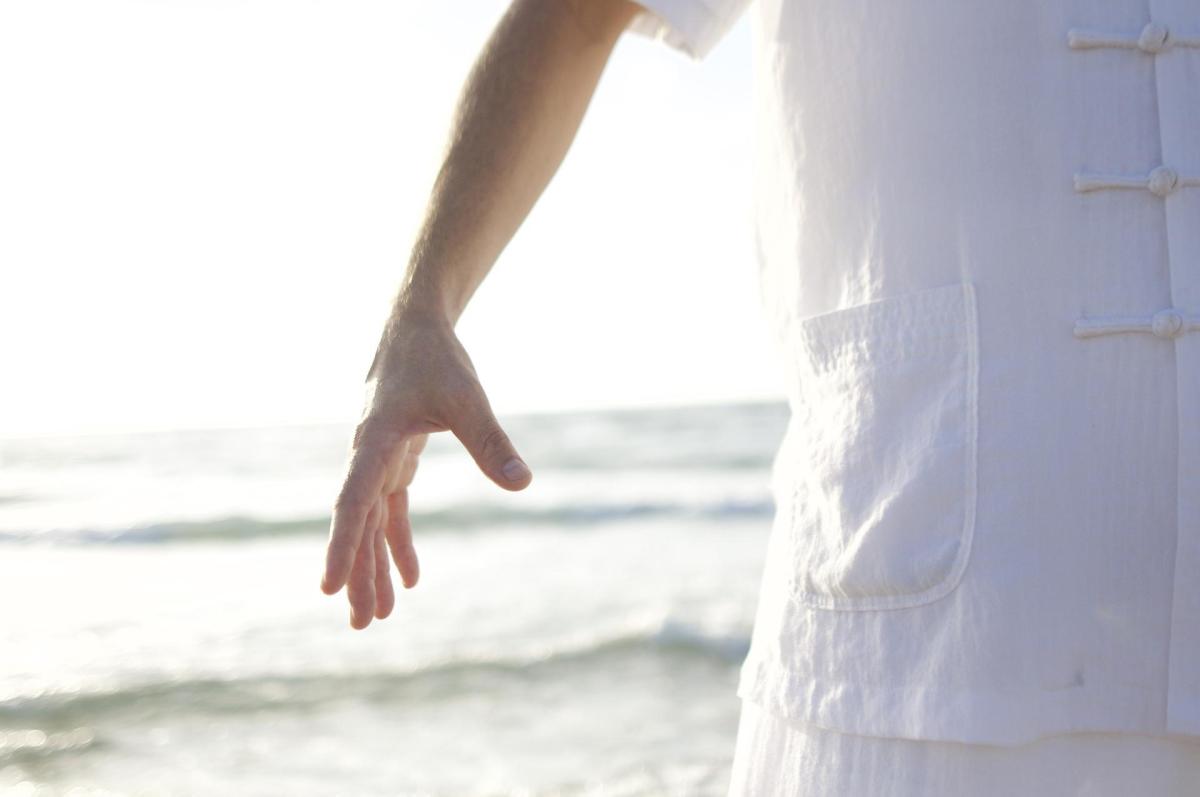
493,440
362,583
371,456
462,391
370,433
379,435
351,502
339,551
458,405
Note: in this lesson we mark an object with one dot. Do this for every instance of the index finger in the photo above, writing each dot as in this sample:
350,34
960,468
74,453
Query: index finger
364,483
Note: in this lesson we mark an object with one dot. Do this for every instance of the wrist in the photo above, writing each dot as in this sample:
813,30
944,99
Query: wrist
410,327
429,302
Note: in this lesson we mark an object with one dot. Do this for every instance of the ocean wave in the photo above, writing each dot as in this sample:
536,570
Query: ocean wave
462,518
32,744
669,643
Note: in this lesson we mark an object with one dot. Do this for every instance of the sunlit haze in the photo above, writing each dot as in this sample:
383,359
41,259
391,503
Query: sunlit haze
206,207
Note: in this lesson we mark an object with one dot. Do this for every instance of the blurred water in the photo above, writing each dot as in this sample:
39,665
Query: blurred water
162,631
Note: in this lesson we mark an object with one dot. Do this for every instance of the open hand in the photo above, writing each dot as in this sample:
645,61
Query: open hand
422,381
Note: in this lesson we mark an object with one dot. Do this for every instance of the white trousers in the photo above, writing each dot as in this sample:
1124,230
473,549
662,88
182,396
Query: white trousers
775,758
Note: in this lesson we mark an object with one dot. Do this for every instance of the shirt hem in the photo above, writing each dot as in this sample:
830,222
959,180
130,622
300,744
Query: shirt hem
937,713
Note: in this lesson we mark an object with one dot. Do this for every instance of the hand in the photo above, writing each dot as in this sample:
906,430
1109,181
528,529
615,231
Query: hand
422,381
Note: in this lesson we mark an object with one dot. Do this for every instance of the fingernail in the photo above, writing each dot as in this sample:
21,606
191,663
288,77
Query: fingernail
515,470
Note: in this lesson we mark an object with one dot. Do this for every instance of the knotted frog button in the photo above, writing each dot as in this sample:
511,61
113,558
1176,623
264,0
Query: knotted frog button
1168,323
1154,38
1163,180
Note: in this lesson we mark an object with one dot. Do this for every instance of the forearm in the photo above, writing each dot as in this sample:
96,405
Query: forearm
517,115
516,118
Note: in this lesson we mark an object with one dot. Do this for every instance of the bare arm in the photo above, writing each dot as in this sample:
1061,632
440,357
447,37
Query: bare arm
518,114
516,118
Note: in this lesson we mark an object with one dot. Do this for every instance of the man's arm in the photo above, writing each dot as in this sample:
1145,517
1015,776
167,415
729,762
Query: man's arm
517,116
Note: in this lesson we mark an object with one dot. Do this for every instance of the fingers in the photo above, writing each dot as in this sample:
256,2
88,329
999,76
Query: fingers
489,446
361,587
399,538
401,475
385,595
416,443
362,488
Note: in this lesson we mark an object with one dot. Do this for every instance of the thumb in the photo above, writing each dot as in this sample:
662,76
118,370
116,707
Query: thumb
489,446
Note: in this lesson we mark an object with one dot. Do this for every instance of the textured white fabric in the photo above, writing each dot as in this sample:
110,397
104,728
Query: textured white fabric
692,26
979,246
774,758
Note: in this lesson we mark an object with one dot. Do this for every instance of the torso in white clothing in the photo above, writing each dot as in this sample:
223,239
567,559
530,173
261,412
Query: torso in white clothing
979,242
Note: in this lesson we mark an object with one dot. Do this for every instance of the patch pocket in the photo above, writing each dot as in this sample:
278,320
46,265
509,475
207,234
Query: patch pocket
875,481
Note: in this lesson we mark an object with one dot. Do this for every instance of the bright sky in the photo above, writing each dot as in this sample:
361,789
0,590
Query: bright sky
206,206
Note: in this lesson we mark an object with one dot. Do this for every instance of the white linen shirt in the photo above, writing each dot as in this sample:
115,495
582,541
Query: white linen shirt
978,231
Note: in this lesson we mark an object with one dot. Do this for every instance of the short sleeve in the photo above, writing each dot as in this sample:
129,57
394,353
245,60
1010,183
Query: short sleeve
693,26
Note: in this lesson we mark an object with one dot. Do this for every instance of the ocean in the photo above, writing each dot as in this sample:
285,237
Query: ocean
162,630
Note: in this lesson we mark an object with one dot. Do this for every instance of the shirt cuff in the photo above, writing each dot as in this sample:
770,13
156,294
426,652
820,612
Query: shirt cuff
687,25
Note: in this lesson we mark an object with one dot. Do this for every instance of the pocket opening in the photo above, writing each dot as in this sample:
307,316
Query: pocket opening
878,482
